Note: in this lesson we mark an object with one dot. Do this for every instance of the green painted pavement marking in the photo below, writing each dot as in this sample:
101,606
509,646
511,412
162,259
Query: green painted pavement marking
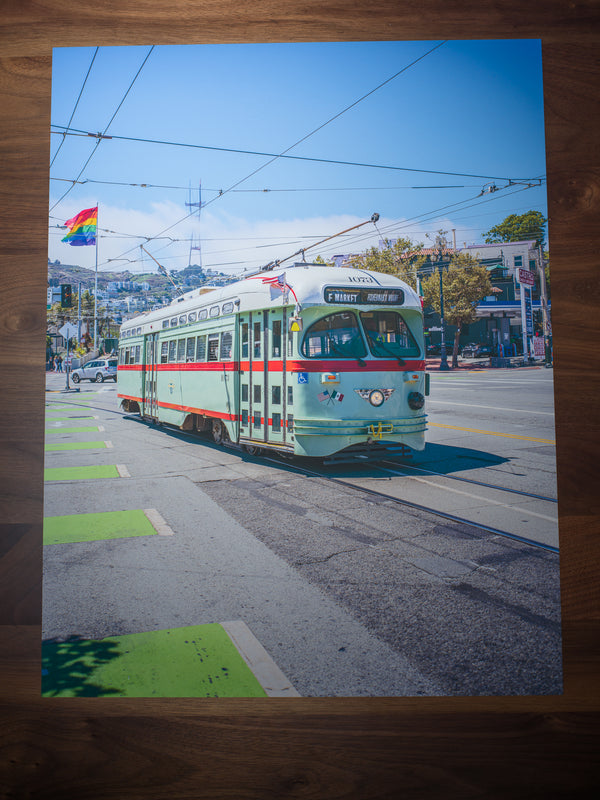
63,419
82,429
195,661
81,473
75,446
92,527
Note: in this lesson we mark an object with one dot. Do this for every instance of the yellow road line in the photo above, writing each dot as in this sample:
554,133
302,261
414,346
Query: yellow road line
493,433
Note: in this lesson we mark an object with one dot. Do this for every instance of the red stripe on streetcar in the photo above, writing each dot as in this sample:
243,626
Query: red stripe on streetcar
347,365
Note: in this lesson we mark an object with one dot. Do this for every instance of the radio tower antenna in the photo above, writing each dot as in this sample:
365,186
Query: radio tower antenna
191,204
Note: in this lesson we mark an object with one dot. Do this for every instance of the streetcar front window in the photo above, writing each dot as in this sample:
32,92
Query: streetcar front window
388,335
335,336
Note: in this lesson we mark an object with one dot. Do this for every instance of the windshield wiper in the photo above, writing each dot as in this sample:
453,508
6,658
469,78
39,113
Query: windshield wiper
381,346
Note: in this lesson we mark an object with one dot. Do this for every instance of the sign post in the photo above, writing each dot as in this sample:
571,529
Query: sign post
526,280
67,332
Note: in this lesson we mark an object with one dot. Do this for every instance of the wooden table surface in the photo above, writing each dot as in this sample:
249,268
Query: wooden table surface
505,747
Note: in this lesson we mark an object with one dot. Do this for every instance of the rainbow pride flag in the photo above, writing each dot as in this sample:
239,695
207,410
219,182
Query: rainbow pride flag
82,228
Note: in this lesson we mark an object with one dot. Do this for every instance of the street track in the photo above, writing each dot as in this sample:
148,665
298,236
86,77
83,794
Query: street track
420,507
392,468
471,481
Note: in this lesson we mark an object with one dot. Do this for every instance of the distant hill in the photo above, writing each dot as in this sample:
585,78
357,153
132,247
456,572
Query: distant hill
73,274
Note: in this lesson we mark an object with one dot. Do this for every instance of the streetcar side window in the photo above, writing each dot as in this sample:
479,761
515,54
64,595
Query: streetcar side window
244,418
257,419
257,328
257,393
213,346
192,316
244,340
276,423
174,322
244,392
164,352
388,334
126,356
334,336
201,348
276,395
290,397
190,349
137,354
172,350
226,344
276,339
165,323
181,350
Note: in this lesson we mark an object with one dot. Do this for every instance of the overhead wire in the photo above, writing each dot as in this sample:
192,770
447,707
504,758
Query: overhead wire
75,106
304,138
284,155
100,139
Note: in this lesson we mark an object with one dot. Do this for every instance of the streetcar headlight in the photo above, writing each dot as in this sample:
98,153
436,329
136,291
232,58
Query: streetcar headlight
416,400
376,398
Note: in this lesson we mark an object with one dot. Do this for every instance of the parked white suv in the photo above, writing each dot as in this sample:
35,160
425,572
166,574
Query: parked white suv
98,370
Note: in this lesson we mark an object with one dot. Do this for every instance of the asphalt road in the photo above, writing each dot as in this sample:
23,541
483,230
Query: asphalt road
349,594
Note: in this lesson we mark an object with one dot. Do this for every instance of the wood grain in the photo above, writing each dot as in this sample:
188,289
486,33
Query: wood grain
500,747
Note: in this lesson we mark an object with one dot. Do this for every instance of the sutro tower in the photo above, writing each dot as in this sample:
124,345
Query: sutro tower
197,205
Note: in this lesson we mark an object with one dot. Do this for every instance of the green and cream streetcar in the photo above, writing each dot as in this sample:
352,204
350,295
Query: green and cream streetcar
309,361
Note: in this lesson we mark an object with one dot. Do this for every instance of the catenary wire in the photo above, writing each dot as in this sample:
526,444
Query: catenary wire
75,106
303,139
100,139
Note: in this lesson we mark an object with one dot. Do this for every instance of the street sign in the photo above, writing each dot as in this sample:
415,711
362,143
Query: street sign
526,277
434,329
68,331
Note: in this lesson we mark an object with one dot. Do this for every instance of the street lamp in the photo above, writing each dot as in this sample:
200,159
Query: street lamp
444,359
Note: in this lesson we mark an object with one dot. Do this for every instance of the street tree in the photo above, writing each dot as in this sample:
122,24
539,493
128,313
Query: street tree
465,283
518,228
401,258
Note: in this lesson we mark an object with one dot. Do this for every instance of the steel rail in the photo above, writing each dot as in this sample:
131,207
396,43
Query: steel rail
419,507
474,482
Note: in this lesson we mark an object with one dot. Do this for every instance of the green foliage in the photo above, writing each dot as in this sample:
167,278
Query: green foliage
517,228
465,283
402,259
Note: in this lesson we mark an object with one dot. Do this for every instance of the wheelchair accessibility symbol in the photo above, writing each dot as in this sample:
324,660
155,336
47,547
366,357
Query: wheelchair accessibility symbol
303,377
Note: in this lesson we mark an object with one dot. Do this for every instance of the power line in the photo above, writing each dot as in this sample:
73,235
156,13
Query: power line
76,104
284,154
100,136
268,190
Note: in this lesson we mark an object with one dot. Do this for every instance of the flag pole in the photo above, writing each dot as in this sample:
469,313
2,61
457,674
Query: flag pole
96,284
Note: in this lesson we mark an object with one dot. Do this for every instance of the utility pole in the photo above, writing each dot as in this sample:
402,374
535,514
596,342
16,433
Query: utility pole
440,240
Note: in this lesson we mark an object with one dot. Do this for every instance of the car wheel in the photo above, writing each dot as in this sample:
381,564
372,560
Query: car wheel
99,378
76,378
253,450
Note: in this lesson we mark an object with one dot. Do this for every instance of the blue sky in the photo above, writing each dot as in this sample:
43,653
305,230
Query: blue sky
474,108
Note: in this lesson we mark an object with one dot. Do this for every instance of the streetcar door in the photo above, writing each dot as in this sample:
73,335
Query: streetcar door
275,388
252,367
149,377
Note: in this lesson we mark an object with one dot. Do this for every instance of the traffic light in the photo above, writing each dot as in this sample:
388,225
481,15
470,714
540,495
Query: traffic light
66,297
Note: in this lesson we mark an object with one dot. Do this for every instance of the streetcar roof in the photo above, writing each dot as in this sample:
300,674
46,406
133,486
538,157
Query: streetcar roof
303,284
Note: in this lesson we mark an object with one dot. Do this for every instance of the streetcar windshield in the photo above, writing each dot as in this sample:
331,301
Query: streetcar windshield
388,334
335,336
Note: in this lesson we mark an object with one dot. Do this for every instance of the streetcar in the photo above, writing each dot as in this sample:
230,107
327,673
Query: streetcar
310,360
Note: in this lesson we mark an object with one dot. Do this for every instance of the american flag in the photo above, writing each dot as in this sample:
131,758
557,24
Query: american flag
276,281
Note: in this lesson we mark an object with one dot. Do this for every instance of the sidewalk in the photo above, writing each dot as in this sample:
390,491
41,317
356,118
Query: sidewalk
514,362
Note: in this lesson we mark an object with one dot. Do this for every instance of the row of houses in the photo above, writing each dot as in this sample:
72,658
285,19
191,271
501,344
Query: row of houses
499,316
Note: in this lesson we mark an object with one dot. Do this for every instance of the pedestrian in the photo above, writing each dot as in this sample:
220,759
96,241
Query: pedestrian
59,363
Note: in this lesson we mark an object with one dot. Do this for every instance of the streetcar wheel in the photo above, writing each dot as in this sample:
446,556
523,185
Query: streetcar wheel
75,378
219,431
253,450
99,378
